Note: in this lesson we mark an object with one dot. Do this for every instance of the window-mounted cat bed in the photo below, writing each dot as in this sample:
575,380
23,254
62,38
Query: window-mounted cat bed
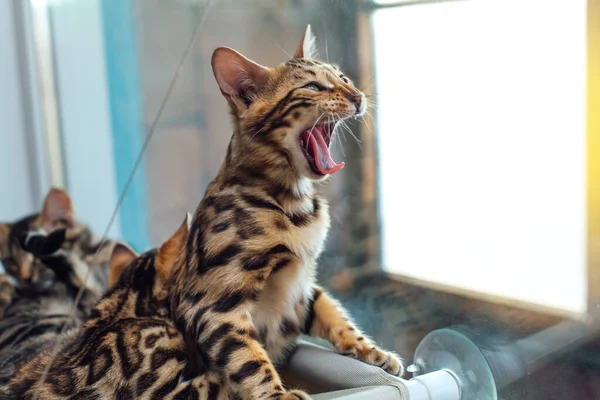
458,363
327,375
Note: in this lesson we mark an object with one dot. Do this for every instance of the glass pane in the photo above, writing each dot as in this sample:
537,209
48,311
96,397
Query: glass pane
482,147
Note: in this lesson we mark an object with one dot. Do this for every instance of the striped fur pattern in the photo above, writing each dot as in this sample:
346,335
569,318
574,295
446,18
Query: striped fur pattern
46,257
246,285
129,347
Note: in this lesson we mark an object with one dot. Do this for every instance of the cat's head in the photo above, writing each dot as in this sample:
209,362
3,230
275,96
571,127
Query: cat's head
286,117
24,241
34,249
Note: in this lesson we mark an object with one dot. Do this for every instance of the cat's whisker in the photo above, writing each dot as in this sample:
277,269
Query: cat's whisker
366,123
372,119
349,129
345,127
335,133
342,135
316,122
370,81
257,132
341,148
313,127
358,142
281,48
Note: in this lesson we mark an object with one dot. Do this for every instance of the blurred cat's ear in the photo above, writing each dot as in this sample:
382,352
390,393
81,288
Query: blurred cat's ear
4,231
168,252
122,255
188,220
308,46
57,211
238,77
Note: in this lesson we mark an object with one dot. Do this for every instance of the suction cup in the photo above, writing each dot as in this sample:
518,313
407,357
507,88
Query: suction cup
453,352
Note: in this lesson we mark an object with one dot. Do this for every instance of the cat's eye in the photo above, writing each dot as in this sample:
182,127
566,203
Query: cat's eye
314,86
344,79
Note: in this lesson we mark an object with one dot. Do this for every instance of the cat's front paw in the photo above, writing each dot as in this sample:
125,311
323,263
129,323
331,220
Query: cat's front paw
295,395
373,355
395,364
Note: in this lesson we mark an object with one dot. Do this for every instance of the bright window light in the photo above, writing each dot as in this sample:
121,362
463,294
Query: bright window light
481,115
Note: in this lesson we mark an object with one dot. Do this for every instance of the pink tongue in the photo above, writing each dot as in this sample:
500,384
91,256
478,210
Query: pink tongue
320,152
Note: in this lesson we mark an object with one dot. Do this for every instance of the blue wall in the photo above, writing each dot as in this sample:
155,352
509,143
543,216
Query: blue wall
123,70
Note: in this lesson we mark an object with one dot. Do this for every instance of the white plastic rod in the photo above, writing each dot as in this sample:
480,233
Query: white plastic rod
437,385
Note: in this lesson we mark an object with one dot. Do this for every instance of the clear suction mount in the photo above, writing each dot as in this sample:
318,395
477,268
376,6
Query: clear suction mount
452,353
483,361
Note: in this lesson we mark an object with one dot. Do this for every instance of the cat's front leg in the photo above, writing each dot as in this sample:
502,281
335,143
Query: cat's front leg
205,387
227,337
233,347
327,319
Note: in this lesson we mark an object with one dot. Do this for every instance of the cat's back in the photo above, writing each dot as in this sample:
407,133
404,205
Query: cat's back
30,325
127,345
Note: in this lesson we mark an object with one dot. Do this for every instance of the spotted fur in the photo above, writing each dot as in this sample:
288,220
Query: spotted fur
246,286
128,348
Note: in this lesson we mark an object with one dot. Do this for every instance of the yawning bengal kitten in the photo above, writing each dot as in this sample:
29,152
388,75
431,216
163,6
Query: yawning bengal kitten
246,285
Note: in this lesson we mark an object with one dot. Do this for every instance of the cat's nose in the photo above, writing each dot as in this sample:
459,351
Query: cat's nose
357,100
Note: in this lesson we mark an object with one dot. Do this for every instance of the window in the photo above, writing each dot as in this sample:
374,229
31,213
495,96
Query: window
96,77
482,145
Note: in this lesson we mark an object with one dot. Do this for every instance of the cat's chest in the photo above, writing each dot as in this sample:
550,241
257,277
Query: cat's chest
307,238
282,306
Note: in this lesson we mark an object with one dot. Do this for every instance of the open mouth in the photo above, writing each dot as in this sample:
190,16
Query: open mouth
315,145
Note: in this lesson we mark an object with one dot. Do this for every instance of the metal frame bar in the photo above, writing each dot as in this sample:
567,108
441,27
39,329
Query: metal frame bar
44,140
593,153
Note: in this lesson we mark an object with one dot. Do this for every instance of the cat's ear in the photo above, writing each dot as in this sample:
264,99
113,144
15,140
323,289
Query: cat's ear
168,252
4,232
238,77
308,46
120,258
57,211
